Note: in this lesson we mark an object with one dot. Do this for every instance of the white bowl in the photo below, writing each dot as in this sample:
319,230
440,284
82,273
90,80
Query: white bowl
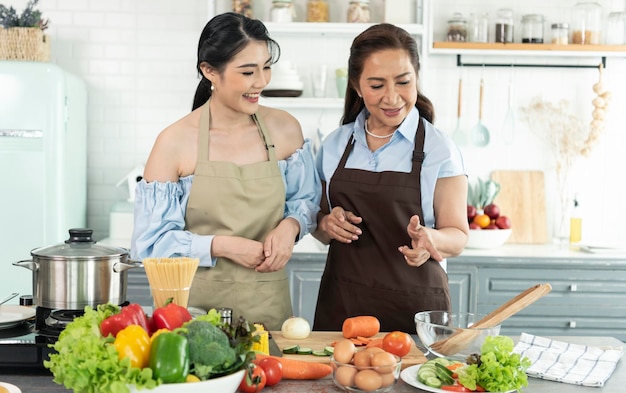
226,384
487,238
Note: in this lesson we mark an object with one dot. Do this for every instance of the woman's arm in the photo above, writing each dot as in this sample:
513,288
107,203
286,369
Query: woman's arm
450,205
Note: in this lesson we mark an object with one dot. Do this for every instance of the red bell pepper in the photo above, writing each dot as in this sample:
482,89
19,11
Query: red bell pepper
169,317
131,314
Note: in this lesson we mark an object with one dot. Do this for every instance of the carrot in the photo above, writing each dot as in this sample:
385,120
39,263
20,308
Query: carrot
375,342
300,369
362,325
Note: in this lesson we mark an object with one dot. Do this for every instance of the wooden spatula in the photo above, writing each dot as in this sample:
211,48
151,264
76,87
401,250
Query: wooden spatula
463,337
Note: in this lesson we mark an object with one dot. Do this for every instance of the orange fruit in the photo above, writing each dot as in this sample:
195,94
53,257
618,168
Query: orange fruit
482,220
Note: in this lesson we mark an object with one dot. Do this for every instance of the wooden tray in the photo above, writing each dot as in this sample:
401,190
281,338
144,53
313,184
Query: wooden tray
319,340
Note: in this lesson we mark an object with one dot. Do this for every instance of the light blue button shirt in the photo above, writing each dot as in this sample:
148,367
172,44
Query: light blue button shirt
160,209
442,157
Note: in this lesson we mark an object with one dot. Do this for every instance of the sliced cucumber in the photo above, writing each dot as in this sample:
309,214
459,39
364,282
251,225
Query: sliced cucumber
291,349
304,351
442,361
320,353
433,382
329,350
422,377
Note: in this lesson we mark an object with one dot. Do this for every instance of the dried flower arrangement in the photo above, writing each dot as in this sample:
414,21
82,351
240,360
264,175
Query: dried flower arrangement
30,17
567,135
22,35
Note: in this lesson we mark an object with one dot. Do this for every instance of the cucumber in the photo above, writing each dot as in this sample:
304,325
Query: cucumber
443,376
433,382
442,361
422,377
304,351
291,349
320,353
329,350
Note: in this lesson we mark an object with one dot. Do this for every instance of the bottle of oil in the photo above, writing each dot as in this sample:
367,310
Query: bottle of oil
575,224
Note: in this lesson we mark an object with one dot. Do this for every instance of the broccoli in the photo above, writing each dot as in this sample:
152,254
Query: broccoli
210,352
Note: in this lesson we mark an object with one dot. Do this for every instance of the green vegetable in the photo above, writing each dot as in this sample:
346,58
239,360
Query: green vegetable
87,362
169,357
210,351
499,369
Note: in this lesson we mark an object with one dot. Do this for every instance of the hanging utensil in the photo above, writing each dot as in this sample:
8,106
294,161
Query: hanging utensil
480,133
459,136
11,296
463,337
508,127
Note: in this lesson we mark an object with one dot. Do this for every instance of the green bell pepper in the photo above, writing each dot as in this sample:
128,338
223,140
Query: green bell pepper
169,357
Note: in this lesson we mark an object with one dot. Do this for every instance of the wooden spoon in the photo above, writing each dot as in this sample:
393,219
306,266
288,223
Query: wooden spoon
461,338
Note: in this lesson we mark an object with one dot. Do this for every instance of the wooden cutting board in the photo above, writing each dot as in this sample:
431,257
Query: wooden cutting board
319,340
522,199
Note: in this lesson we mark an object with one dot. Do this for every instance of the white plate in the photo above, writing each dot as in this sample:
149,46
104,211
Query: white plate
409,375
11,315
226,384
10,388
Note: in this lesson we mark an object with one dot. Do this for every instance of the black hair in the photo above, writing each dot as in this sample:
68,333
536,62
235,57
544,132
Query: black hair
223,37
377,38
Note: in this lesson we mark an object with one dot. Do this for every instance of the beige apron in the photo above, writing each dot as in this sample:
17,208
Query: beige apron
246,201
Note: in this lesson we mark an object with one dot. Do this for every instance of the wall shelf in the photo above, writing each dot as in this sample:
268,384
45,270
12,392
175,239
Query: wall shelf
337,29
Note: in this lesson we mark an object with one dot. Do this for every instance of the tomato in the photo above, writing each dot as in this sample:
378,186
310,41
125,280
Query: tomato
482,220
398,343
273,370
455,388
254,381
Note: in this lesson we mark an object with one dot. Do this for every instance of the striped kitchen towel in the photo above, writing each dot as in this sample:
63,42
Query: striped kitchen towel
569,363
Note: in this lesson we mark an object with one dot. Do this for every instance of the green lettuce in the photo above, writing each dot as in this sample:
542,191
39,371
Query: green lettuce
87,362
499,368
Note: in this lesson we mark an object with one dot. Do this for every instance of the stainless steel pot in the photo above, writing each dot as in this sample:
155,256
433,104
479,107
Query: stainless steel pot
79,273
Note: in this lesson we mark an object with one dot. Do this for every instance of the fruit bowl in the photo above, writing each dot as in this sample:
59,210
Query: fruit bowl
226,384
487,238
356,378
434,326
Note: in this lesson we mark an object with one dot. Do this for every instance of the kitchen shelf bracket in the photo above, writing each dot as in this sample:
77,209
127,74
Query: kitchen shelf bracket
459,63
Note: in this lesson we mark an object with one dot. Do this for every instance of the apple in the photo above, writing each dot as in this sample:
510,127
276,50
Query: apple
503,222
492,225
473,225
471,212
492,210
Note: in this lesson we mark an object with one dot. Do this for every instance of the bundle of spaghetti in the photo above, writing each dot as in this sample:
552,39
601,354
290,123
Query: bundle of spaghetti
170,278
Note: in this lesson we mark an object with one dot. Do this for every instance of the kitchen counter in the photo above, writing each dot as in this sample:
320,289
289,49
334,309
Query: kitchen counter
44,384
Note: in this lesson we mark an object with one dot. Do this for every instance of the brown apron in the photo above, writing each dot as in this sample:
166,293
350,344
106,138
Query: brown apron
370,276
246,201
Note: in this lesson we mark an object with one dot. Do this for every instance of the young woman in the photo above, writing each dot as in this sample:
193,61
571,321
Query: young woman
394,193
232,183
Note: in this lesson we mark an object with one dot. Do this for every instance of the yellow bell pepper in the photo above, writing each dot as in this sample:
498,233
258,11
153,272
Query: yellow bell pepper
133,342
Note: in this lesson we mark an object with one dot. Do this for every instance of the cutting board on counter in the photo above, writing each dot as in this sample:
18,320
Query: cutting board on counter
319,340
522,198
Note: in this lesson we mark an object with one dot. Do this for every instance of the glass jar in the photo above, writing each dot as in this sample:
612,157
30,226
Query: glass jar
560,33
478,28
359,11
532,29
317,11
282,11
504,25
243,7
457,28
587,23
616,28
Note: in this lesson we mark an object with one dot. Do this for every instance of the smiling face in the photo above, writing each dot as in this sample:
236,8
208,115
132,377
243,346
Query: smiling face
240,84
388,85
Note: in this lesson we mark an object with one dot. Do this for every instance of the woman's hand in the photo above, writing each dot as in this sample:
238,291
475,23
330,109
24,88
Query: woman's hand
245,252
422,247
278,245
340,225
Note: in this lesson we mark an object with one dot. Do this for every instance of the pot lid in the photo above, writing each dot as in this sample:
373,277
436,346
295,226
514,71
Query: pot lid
79,245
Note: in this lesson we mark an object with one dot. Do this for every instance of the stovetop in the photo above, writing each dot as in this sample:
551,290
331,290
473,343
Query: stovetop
24,349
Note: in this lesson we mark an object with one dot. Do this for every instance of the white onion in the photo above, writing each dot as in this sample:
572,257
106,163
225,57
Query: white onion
296,328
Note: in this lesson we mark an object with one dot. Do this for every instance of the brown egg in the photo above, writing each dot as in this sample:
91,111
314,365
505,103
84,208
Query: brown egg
362,359
375,350
344,375
343,351
388,379
368,380
384,361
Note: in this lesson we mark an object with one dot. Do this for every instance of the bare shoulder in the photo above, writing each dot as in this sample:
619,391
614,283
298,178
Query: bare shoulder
174,152
285,129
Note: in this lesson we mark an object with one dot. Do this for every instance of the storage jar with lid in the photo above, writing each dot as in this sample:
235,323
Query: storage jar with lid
457,28
616,28
478,28
282,11
317,11
358,11
532,29
587,23
504,25
560,33
243,7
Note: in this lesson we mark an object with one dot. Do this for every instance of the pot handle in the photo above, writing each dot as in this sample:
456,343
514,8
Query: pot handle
119,267
27,264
